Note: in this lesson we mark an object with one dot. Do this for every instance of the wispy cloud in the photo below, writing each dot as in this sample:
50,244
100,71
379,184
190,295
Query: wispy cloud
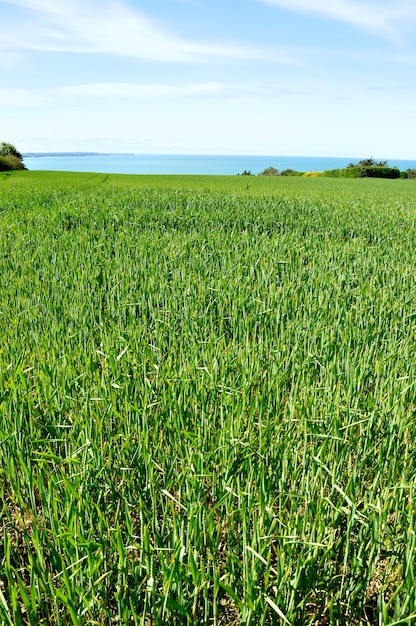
22,98
8,59
158,92
143,91
138,92
102,27
381,16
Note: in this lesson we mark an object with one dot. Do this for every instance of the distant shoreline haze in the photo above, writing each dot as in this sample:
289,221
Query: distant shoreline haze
74,154
122,163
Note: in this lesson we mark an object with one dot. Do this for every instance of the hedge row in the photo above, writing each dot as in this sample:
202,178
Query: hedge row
372,171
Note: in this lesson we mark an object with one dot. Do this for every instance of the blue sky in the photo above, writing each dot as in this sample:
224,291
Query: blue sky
278,77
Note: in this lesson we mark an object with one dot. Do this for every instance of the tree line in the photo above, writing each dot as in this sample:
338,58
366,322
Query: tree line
366,168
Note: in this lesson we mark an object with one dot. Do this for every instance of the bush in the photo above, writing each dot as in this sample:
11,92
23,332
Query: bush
290,172
411,173
368,163
11,158
348,172
364,171
5,166
11,163
269,171
378,171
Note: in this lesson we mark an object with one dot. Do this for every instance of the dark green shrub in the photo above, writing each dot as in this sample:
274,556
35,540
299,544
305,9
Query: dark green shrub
5,165
364,171
290,172
368,163
378,171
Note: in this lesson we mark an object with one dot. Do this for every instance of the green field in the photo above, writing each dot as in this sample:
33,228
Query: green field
207,400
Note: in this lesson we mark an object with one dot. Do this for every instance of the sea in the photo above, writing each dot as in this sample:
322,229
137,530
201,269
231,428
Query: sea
188,164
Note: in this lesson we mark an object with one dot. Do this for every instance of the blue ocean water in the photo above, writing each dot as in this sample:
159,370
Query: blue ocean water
188,164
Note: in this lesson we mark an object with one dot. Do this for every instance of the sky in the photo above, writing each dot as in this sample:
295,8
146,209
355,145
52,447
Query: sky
249,77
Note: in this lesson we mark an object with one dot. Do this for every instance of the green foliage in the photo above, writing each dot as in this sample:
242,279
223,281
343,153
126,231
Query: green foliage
10,157
411,173
364,171
290,172
378,172
269,171
368,163
5,165
347,172
11,163
207,407
8,149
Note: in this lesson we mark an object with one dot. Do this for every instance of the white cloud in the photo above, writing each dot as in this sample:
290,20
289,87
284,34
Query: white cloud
139,93
103,27
380,17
